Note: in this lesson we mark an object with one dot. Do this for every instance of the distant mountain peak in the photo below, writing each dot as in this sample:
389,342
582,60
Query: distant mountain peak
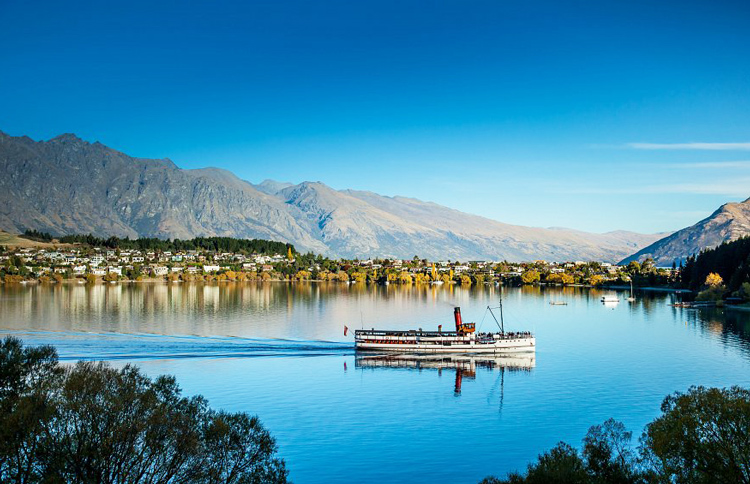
67,138
272,187
729,222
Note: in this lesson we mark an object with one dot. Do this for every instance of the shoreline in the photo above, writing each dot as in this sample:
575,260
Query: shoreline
651,289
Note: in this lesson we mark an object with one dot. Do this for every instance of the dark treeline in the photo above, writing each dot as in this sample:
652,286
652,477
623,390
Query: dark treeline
37,236
702,437
216,244
91,423
731,260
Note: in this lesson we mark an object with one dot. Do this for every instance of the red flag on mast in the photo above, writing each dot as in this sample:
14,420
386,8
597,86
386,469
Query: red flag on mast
345,330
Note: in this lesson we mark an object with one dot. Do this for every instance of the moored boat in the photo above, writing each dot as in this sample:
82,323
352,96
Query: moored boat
464,339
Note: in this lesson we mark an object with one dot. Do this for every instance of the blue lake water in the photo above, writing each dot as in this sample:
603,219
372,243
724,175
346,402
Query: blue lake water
277,350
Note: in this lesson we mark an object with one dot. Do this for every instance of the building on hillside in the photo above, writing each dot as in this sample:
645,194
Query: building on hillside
158,270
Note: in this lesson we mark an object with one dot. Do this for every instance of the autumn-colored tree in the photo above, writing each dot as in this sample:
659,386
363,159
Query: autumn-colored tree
596,280
530,277
465,280
421,278
359,277
302,275
404,278
554,278
714,280
567,278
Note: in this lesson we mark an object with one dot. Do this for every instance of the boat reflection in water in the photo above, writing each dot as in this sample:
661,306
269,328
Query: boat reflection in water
465,366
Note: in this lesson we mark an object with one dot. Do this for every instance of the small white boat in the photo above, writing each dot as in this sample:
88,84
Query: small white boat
610,299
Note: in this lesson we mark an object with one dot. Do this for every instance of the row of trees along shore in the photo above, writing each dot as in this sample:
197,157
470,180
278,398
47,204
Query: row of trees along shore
701,437
309,266
91,423
716,274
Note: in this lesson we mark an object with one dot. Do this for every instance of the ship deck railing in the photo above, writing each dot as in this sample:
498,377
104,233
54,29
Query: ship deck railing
441,334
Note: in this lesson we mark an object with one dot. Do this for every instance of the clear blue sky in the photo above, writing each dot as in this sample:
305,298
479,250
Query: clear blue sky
578,114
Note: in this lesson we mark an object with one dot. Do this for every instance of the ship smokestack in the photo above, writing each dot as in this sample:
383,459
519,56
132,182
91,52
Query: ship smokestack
457,317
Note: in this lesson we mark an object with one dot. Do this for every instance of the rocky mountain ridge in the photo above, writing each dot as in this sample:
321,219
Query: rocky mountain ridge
730,222
67,185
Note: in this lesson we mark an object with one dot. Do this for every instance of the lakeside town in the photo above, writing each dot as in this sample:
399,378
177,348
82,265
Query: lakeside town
93,263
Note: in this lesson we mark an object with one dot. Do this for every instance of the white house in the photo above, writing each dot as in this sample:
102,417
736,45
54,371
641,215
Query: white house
159,270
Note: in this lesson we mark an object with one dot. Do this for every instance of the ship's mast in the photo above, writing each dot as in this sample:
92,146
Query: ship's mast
502,323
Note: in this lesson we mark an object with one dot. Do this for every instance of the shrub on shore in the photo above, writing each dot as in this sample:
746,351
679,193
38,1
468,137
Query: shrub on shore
702,436
90,422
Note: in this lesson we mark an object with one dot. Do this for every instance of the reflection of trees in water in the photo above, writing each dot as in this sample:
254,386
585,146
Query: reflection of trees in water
202,308
731,327
307,309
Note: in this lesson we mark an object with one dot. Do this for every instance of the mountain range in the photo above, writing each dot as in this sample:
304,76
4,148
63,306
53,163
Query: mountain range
730,222
68,185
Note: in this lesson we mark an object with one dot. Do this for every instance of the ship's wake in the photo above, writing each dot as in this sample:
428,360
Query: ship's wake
72,345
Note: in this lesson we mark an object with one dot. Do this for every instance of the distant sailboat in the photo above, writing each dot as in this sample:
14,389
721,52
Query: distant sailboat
631,298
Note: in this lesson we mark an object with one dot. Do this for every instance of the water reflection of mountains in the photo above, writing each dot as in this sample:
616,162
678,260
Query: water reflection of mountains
465,366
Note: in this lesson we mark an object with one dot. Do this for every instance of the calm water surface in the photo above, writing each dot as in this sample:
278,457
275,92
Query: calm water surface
277,350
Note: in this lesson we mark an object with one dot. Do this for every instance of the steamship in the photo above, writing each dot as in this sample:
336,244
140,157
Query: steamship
464,339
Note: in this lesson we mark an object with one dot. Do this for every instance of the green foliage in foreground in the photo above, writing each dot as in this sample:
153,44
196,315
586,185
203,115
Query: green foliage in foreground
702,437
91,423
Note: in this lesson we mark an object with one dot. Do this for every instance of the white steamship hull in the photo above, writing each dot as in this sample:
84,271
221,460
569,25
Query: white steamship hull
520,346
